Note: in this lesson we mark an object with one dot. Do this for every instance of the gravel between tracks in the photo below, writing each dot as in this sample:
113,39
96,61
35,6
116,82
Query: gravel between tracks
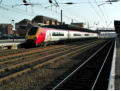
39,78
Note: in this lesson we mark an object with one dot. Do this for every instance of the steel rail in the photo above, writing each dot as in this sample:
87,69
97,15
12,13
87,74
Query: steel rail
59,52
37,53
26,52
35,66
101,68
34,49
79,67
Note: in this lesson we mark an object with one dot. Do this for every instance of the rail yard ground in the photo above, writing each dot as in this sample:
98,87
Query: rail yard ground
39,68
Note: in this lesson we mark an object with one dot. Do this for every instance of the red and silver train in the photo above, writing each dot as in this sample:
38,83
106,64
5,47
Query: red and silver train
38,36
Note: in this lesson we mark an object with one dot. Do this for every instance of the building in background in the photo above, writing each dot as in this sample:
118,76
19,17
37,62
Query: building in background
117,27
6,29
25,24
22,26
78,24
43,20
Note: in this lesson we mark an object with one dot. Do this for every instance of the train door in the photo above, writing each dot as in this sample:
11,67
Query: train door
48,36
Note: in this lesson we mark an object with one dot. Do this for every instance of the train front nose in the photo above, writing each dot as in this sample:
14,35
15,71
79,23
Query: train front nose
30,42
31,37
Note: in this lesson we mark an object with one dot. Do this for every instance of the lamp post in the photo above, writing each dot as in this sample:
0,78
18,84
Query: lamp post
13,27
61,17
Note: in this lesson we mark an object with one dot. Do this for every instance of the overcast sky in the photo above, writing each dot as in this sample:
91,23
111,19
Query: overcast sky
91,12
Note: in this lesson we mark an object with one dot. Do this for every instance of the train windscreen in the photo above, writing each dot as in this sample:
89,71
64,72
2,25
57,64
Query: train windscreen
33,31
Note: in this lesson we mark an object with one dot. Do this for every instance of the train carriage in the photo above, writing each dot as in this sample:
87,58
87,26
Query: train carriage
38,36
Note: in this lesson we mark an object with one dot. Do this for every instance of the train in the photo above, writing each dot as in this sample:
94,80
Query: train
38,36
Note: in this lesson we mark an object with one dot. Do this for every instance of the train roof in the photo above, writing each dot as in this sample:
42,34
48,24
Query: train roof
69,27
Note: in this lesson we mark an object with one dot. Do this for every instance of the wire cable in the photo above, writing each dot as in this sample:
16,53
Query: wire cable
0,1
102,13
94,9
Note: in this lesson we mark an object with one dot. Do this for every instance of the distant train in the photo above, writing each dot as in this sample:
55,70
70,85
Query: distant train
39,36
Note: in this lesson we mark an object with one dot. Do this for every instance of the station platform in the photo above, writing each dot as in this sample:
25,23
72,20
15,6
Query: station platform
11,40
114,80
9,45
117,65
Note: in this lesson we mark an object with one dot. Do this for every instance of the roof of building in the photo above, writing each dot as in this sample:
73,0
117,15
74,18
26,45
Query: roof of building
24,21
38,17
5,25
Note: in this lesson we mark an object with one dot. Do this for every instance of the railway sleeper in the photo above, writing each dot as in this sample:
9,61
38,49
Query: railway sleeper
83,79
30,62
16,66
24,54
34,67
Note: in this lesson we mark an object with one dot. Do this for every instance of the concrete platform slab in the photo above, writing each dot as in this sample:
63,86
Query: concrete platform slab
11,40
9,45
114,79
117,67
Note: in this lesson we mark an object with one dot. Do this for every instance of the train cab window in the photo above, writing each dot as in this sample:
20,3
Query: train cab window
33,31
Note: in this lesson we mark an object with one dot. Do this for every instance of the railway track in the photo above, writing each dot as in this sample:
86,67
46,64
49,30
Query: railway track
34,52
19,60
14,51
29,61
29,52
24,64
92,74
8,53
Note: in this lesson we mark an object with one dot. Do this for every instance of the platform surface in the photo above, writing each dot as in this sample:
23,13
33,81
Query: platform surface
10,43
5,44
11,40
117,67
